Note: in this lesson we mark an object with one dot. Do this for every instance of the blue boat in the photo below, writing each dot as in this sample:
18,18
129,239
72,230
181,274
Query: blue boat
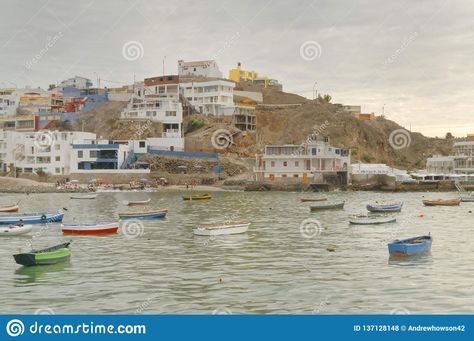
394,207
411,246
32,218
143,215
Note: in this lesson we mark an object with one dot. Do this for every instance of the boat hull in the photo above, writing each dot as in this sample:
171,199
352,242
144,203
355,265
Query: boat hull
32,218
225,229
89,229
138,203
143,215
9,209
15,231
453,202
197,197
408,247
329,206
314,200
371,221
60,254
90,196
385,208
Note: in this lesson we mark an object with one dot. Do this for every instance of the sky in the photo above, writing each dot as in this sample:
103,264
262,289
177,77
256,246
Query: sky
410,60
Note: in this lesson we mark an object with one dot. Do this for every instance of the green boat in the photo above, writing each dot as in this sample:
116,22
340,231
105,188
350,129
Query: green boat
337,205
50,255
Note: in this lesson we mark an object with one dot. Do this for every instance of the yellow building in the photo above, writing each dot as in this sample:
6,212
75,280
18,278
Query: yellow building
238,74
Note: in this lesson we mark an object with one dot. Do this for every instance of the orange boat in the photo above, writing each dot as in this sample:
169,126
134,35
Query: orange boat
9,209
442,202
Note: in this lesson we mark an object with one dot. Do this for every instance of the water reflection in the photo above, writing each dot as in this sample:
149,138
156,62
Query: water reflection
41,274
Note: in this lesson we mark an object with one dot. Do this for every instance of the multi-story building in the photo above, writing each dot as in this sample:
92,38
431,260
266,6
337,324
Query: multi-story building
440,164
8,102
76,82
204,68
239,75
157,100
464,156
210,97
313,162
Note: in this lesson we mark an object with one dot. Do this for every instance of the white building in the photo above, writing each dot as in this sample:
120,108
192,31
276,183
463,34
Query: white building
8,102
204,68
313,162
214,97
157,100
464,156
76,82
440,164
368,170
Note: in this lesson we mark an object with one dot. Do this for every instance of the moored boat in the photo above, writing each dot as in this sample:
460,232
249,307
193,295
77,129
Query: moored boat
381,208
328,206
83,196
9,209
50,255
197,197
371,219
469,197
221,229
442,202
14,230
411,246
313,199
100,228
32,218
137,202
143,215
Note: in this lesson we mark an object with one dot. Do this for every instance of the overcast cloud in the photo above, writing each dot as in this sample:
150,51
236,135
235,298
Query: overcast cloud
416,57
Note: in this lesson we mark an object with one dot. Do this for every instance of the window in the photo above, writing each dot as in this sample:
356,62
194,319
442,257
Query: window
141,144
57,170
80,154
285,163
297,163
313,151
283,175
58,158
272,164
295,175
93,153
57,147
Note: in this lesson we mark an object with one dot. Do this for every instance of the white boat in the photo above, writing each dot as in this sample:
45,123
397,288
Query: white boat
371,219
14,230
220,229
137,202
83,196
467,197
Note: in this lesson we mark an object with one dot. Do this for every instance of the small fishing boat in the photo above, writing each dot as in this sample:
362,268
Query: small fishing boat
143,215
101,228
9,209
381,208
50,255
14,230
442,202
313,199
411,246
371,219
137,202
197,197
32,218
328,206
83,196
467,197
221,229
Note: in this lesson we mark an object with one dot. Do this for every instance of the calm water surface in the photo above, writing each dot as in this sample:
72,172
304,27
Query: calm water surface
273,268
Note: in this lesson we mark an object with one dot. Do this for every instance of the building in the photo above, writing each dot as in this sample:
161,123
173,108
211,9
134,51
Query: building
214,97
239,75
204,68
157,100
440,164
315,162
8,102
365,117
21,123
361,172
464,156
76,82
244,117
353,109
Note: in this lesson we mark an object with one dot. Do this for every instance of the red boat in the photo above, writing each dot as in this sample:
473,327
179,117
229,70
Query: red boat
103,228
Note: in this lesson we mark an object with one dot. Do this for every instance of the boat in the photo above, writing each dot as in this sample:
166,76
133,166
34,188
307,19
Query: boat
221,229
9,209
313,199
83,196
328,206
381,208
467,197
32,218
50,255
137,202
143,215
371,219
197,197
14,230
411,246
100,228
442,202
